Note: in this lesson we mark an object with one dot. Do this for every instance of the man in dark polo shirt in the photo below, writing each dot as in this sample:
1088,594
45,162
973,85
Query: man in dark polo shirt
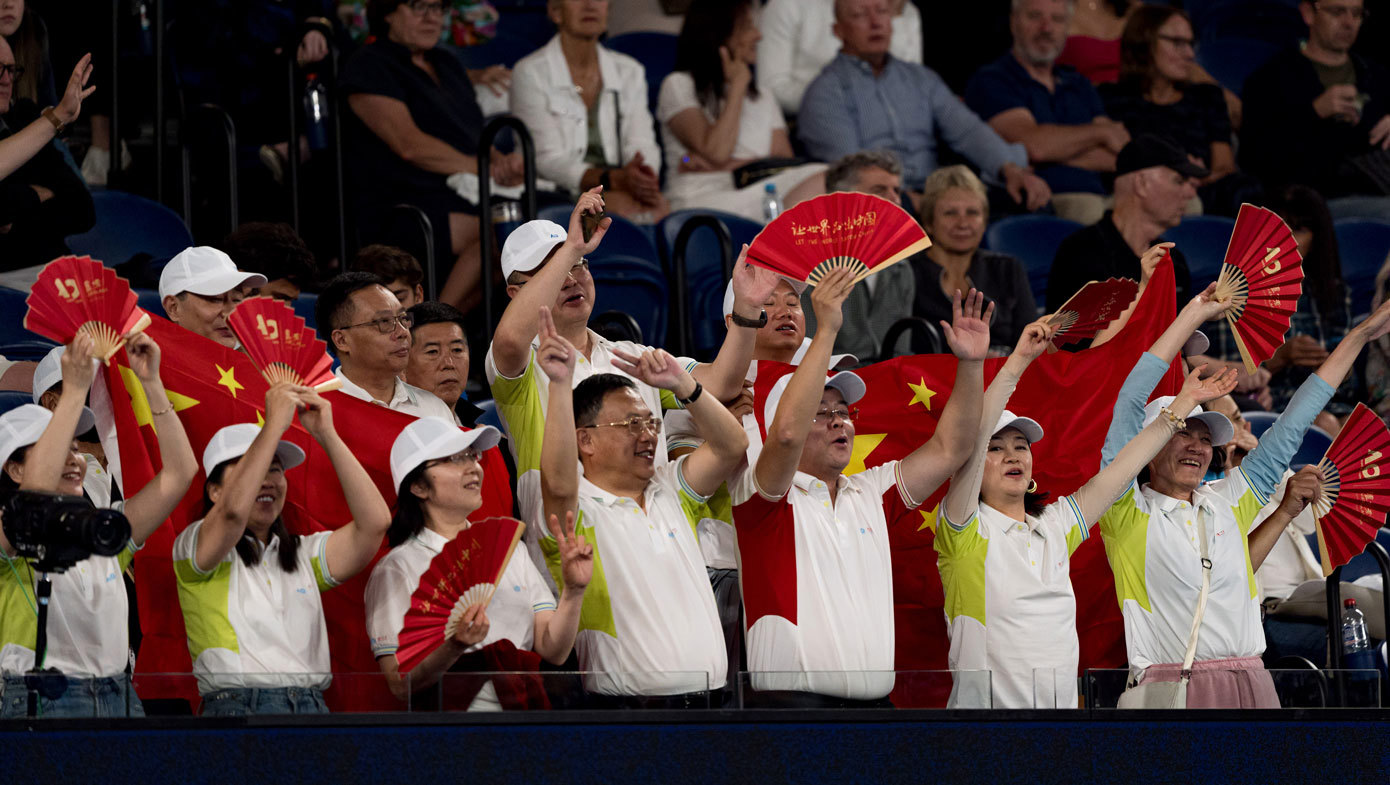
1052,110
1154,180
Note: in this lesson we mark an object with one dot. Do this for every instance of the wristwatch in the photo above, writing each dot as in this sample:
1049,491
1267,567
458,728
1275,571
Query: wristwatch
694,395
743,321
51,115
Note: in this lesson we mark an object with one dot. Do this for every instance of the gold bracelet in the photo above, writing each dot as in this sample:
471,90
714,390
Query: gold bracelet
1177,422
162,412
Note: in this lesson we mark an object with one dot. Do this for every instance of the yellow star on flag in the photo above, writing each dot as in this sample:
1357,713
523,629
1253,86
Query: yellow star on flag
260,419
141,404
929,519
864,445
228,378
921,393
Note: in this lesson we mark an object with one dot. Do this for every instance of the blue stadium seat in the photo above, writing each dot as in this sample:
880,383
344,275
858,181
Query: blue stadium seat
32,350
657,54
1202,240
636,286
705,277
12,310
304,307
489,415
520,32
128,225
1314,445
624,238
1033,239
149,300
1231,60
1364,245
10,399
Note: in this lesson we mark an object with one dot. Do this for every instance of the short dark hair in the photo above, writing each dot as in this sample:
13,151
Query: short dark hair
410,512
431,312
390,263
246,547
377,11
333,306
590,394
273,250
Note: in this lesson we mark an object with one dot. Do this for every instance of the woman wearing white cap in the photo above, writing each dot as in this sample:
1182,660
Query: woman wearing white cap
1182,550
438,474
88,636
248,587
1005,566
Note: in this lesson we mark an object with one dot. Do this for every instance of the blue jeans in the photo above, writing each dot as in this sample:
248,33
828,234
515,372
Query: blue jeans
101,697
243,701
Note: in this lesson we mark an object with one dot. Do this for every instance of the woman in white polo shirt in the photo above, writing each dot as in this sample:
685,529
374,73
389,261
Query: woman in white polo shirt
88,634
1006,566
249,588
439,477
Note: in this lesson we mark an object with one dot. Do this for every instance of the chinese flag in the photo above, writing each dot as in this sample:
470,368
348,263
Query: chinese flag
1072,395
210,387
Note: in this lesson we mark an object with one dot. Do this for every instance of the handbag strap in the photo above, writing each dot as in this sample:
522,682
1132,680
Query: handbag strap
1201,599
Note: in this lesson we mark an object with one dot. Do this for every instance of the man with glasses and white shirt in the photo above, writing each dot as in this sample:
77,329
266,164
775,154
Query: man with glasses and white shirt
369,331
200,287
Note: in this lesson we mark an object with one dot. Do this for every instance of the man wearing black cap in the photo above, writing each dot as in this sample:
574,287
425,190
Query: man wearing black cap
1154,181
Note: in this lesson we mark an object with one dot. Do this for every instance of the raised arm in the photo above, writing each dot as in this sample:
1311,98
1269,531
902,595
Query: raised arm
715,142
556,630
25,143
1299,492
43,464
1147,264
149,507
559,448
350,548
390,120
724,377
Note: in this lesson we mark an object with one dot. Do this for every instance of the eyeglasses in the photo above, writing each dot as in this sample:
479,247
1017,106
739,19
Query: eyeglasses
386,324
1179,41
467,455
423,7
15,71
1343,11
579,268
634,425
829,416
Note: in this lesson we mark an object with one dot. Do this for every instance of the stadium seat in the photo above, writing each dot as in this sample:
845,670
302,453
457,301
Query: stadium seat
705,273
1364,245
304,307
129,225
636,286
10,399
1315,441
1231,60
12,310
32,350
489,415
150,300
624,238
657,54
1202,240
1033,239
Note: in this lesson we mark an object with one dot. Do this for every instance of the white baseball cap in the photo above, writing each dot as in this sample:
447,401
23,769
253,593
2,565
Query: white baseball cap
797,286
847,382
528,245
234,440
1221,429
429,438
49,373
204,270
1025,425
1197,343
24,424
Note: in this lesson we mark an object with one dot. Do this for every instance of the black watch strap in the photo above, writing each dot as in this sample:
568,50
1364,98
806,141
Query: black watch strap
694,395
743,321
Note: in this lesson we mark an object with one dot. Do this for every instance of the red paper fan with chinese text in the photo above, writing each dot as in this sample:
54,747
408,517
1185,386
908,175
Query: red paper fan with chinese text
1263,274
863,232
464,574
281,345
1089,311
77,294
1355,495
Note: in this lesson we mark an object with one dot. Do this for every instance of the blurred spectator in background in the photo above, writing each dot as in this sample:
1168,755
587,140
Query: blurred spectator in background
27,35
715,120
439,357
1378,354
415,122
1317,116
276,252
1052,110
1154,94
1093,38
19,144
955,209
43,200
200,287
586,108
866,99
884,297
401,272
798,42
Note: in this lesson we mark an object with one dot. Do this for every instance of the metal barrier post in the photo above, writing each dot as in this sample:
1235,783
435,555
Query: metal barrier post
680,307
160,120
114,173
528,203
427,227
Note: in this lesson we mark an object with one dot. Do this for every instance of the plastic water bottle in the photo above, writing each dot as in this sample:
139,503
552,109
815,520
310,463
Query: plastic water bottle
1356,642
772,203
316,112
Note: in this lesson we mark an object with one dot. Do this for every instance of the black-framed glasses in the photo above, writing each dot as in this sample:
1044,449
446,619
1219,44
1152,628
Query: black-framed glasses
15,71
466,455
425,6
1179,41
1343,11
635,425
829,415
385,324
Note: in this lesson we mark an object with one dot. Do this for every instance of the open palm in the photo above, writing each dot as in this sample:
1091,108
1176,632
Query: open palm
968,333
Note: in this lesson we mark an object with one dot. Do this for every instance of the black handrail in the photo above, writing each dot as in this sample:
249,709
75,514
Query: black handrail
218,117
427,229
917,326
335,136
680,294
1334,611
161,129
528,199
292,145
114,171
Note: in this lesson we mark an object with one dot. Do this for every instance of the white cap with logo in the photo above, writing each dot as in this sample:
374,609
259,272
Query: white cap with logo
528,245
1221,429
24,424
234,440
204,270
429,438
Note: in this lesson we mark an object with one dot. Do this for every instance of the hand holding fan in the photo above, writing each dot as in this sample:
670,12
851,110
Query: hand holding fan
464,574
281,344
1263,274
1088,311
76,294
860,231
1355,494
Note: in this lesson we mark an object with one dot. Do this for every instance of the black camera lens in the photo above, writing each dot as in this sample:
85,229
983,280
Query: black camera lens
107,532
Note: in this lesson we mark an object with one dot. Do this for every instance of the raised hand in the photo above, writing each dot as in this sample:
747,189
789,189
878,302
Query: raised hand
317,414
78,365
1377,324
472,627
828,299
1035,339
1300,491
1207,306
1149,261
71,103
968,333
656,368
591,202
144,356
556,355
752,284
1209,389
743,404
281,402
576,555
737,74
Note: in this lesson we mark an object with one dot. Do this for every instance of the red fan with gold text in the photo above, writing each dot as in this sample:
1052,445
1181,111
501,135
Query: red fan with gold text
1355,494
77,294
281,344
1263,274
1089,311
863,232
464,574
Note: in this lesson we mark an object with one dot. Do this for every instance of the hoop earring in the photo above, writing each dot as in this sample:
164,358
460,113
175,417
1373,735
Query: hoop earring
1032,486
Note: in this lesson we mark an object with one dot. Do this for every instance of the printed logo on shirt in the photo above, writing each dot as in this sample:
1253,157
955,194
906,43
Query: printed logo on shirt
302,590
516,588
110,577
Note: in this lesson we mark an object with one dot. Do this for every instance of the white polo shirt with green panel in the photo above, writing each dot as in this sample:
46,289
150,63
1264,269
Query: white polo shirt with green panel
256,626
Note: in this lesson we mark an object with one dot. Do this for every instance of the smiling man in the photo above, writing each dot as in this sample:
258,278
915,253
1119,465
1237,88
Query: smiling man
200,287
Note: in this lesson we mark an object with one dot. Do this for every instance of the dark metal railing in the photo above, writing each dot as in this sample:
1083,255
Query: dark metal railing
528,199
680,292
427,229
1335,650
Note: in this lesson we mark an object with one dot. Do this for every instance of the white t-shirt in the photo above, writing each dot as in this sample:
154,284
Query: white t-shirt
759,118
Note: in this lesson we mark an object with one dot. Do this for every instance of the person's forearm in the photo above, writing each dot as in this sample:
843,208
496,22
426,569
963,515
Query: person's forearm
1171,341
722,137
1334,369
43,465
1262,540
723,432
1096,159
430,669
556,641
149,507
963,495
559,463
724,377
511,343
1096,496
16,150
370,515
1050,143
1127,415
435,155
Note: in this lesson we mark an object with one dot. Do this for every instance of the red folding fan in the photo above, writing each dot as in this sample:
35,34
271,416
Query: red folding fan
1355,494
1089,311
464,574
863,232
281,344
1263,274
76,294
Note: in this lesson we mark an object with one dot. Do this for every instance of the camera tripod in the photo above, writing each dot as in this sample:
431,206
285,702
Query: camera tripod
49,684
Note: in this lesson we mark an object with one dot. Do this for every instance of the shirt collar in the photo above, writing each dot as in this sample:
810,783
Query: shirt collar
1166,504
400,395
863,65
807,483
432,540
999,523
587,490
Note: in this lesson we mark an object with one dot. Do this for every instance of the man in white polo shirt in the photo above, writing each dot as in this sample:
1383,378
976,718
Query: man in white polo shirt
369,331
200,287
648,627
813,543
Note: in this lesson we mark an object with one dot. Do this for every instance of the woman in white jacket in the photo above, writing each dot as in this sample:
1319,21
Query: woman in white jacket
586,108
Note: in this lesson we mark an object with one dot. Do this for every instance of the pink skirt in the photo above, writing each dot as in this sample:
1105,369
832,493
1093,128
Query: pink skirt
1234,683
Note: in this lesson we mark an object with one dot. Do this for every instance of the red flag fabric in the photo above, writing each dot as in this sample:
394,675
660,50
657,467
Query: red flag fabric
1072,395
210,387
